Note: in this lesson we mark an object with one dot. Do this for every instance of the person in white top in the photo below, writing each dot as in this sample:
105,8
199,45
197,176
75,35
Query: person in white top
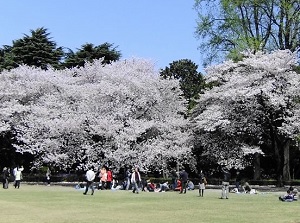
90,176
18,176
135,180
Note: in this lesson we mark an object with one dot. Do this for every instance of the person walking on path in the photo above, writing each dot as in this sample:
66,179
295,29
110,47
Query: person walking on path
202,183
135,180
225,183
90,177
183,175
18,177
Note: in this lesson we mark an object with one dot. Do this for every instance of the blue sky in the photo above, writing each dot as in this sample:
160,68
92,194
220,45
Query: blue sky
159,30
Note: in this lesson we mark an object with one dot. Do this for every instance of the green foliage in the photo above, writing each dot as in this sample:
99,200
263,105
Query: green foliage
89,52
36,50
297,69
227,28
6,58
39,50
191,81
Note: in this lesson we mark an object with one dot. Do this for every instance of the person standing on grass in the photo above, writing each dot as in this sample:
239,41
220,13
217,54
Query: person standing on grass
14,174
202,182
238,181
18,177
48,176
135,180
174,176
128,178
90,177
5,177
225,183
183,175
109,179
103,177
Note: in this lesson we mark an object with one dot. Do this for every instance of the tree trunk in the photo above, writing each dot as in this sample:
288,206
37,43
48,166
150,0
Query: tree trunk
278,164
286,161
256,164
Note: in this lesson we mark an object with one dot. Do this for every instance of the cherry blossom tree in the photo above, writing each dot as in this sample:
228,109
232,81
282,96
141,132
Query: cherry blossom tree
118,114
253,108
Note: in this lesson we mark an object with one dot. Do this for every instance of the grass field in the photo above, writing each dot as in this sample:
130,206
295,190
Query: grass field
42,204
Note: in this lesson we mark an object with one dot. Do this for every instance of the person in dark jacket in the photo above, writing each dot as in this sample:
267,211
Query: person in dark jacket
225,183
127,178
174,179
183,175
5,177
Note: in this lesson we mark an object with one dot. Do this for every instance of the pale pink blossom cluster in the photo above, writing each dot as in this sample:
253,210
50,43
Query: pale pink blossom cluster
119,114
251,100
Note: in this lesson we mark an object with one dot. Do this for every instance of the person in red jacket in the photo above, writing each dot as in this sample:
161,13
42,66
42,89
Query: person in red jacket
178,188
109,179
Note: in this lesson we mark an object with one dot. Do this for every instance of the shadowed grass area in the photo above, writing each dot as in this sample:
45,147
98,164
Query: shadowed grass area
41,204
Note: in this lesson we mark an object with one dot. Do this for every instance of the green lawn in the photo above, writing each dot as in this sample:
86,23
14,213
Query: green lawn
42,204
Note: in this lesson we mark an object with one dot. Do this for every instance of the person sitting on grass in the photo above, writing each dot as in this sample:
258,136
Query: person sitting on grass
295,193
150,186
190,185
289,196
178,188
246,187
163,187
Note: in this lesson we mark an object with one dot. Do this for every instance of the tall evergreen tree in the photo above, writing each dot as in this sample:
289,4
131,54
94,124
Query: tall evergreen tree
191,81
36,50
89,52
6,58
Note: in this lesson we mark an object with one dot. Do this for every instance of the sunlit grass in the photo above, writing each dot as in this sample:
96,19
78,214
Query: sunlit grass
32,204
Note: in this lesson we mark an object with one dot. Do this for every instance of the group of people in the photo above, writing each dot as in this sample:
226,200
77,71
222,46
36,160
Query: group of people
106,178
152,187
106,181
17,174
133,179
180,182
